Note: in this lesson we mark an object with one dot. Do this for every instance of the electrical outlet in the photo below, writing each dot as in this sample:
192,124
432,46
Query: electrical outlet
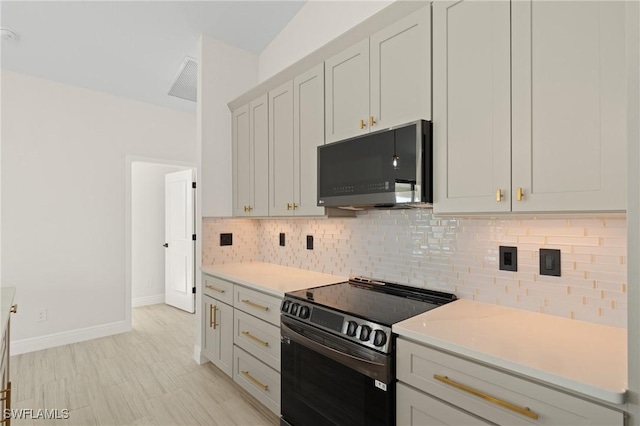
42,315
309,242
550,262
226,239
508,258
282,239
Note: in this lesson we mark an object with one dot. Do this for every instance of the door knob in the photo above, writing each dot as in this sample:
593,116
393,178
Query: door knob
165,245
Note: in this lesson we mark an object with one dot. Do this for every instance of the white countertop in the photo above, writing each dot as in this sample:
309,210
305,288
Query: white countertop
270,278
7,295
587,358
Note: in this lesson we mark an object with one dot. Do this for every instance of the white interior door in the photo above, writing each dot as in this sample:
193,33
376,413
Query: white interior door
179,241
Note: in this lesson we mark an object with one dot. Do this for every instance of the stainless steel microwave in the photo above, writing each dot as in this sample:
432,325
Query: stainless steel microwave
390,168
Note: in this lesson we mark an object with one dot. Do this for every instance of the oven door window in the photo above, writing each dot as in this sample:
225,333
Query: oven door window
317,390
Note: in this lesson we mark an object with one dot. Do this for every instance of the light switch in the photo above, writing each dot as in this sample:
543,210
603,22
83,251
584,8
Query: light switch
550,262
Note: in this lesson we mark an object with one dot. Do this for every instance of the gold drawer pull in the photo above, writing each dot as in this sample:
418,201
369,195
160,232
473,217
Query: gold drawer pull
498,195
14,309
295,206
372,121
255,305
524,411
362,124
255,339
210,287
254,381
213,314
519,194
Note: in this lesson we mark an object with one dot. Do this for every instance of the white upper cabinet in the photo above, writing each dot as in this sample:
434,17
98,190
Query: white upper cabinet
308,135
529,106
281,160
382,81
400,69
471,106
569,138
250,134
347,92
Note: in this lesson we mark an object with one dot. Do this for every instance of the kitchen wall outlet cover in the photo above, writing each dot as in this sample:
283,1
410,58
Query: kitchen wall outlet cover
550,262
508,258
282,239
309,242
226,239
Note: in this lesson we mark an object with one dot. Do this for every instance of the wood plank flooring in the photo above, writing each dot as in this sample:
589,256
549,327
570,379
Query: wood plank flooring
144,377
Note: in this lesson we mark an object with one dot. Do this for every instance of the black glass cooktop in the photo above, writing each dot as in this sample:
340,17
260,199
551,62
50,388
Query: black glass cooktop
383,303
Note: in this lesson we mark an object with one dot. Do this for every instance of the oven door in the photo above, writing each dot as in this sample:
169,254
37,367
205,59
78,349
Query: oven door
327,380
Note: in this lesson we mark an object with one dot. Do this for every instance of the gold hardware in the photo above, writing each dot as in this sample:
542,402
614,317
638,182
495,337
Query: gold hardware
526,411
498,195
255,339
249,208
214,317
371,120
245,209
255,305
362,124
211,316
254,381
210,287
519,194
14,308
295,206
288,206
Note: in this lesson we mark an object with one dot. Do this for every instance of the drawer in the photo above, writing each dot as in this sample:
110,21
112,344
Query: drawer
415,408
261,339
218,288
258,379
258,304
514,399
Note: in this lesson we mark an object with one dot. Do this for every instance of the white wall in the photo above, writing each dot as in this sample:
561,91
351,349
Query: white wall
63,205
225,72
148,231
316,24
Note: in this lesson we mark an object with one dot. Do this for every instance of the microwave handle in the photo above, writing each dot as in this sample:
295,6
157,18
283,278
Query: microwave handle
374,370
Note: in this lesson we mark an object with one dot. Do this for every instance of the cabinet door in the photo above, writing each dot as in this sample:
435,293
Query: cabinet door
471,106
401,71
347,93
308,126
569,105
415,408
281,159
218,334
241,142
259,131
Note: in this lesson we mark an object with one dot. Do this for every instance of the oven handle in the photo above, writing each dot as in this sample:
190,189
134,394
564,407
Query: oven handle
375,370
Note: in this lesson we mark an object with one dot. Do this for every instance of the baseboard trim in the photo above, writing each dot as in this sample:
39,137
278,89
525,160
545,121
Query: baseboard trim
147,300
198,356
67,337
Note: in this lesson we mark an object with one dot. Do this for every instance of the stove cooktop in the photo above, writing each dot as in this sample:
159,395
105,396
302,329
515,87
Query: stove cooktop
375,301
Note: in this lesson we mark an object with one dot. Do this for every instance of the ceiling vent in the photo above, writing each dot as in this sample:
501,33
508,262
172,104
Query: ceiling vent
185,85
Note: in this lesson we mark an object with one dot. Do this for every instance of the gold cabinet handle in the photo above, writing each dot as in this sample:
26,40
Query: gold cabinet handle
219,290
255,339
371,120
295,206
213,314
14,308
289,206
519,194
249,208
255,381
245,209
362,125
498,195
526,411
255,305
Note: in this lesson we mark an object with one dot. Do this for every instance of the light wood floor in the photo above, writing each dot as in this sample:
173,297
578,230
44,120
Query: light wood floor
145,377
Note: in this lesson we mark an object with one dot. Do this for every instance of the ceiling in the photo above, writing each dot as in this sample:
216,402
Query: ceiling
131,48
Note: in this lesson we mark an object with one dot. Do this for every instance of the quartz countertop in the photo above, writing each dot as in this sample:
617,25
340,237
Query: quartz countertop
270,278
7,296
587,358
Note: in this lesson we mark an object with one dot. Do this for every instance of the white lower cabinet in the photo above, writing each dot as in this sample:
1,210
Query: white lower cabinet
479,393
218,333
257,378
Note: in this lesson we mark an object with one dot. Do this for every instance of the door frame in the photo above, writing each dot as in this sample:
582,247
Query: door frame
129,159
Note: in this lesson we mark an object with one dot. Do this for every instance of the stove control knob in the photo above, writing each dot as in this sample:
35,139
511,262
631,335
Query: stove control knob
379,338
294,309
285,305
304,312
365,332
352,326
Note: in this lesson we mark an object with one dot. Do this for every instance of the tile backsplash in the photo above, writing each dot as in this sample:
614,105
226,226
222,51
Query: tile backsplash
454,254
